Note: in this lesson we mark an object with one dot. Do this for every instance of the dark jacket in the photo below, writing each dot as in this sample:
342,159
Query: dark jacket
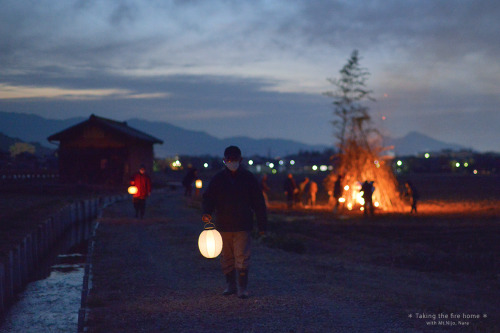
234,199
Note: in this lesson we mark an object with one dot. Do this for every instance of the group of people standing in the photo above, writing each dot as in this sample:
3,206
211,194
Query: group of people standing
304,193
367,189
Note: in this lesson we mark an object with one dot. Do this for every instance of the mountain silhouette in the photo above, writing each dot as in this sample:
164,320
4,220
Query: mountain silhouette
180,141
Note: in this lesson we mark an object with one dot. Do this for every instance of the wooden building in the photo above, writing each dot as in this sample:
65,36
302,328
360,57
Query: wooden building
102,151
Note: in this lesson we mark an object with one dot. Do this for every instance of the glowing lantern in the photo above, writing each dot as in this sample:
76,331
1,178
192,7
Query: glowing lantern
198,183
132,189
341,199
210,241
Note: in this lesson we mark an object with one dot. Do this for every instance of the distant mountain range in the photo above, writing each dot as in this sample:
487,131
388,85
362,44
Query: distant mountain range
179,141
414,143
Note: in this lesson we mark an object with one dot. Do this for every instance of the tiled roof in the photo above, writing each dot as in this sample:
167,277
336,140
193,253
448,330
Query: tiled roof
113,125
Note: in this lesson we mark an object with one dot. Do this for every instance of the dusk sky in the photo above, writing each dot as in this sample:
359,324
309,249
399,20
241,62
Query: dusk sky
256,68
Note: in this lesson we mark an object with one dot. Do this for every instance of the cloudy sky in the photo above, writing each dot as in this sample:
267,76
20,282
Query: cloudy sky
256,68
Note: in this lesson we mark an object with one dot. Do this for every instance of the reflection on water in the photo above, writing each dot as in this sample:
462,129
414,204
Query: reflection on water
51,304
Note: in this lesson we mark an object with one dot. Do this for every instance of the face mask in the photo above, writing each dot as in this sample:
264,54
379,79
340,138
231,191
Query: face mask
233,166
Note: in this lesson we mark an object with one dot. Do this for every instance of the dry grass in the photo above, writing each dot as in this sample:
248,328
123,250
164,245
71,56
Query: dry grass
24,206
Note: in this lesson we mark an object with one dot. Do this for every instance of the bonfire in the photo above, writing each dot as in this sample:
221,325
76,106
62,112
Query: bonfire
357,164
360,156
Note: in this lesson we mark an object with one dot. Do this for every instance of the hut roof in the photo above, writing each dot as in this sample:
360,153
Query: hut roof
110,125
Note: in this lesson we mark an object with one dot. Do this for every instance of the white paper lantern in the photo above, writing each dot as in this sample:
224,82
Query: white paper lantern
210,242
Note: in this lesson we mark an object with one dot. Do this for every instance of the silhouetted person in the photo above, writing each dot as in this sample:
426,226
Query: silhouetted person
143,183
234,195
337,192
313,189
368,189
303,195
291,190
188,180
265,188
413,194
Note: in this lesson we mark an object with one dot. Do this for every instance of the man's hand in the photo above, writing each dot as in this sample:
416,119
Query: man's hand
206,218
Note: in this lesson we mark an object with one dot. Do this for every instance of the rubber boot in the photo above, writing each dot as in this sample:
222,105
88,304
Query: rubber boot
230,283
242,283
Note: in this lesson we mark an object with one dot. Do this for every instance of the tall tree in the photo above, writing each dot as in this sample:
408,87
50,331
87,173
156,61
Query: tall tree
350,115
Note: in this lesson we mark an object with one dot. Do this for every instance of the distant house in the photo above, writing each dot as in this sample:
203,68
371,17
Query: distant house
102,151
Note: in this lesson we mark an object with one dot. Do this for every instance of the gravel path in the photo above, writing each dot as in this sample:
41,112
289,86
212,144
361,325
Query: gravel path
148,276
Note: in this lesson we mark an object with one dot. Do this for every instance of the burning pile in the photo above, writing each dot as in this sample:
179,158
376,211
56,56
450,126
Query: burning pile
359,153
359,164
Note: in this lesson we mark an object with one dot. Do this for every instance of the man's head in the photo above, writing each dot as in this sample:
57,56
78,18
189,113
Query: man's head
142,169
232,158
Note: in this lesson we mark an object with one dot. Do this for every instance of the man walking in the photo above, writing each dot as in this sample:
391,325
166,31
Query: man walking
234,195
143,183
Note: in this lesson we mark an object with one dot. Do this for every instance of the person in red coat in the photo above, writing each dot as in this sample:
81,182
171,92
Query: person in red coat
143,183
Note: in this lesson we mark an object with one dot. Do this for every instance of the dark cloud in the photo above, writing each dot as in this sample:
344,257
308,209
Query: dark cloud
217,66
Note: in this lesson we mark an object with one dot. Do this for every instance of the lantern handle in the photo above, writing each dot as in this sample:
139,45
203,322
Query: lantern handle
209,226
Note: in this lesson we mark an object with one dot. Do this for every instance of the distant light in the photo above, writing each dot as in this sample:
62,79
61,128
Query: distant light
330,167
457,165
360,198
427,155
341,199
466,164
361,208
250,162
384,117
346,187
205,165
349,206
271,165
399,163
315,167
292,162
274,171
475,172
258,168
323,168
281,162
376,204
